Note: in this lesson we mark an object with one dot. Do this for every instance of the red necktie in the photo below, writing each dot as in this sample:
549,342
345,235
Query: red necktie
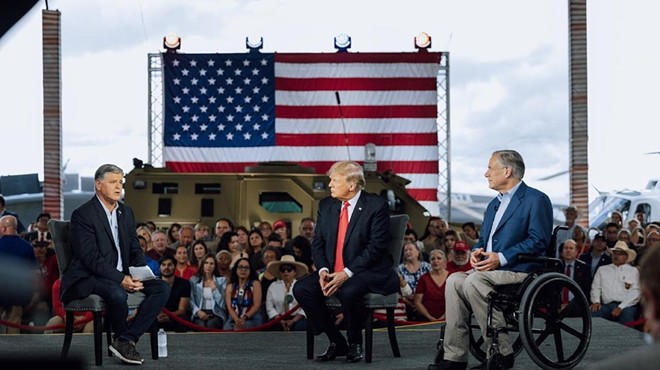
341,236
564,294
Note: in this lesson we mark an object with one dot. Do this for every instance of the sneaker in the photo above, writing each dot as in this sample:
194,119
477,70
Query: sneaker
126,352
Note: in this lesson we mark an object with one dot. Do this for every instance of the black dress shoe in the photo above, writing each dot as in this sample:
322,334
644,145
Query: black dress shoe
448,365
355,353
507,363
332,352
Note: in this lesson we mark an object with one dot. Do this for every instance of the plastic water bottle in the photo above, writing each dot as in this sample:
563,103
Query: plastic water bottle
162,343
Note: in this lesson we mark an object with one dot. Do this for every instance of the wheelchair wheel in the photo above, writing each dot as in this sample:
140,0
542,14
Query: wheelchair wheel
478,346
554,337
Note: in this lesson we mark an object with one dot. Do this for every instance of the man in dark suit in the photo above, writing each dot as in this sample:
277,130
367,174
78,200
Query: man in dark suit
4,212
518,221
577,270
349,250
40,233
598,256
104,245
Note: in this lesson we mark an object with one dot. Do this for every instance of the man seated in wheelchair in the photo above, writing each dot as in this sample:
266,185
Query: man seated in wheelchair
518,221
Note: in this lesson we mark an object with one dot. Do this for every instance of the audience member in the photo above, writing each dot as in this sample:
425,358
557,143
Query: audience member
222,225
186,237
266,229
145,233
306,228
611,234
581,240
430,291
640,216
280,299
617,218
448,241
173,233
302,251
412,269
400,312
152,226
183,268
599,255
410,236
59,317
638,236
15,252
150,262
243,297
646,357
653,238
179,298
433,234
615,288
4,212
575,269
229,241
256,244
243,241
470,230
40,232
202,232
270,254
160,249
461,260
224,263
571,215
48,273
207,300
280,228
197,252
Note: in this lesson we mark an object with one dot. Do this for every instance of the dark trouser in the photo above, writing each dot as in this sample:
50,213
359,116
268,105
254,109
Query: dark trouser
116,298
310,297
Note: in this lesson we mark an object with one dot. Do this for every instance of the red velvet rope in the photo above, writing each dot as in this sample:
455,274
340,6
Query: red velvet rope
377,316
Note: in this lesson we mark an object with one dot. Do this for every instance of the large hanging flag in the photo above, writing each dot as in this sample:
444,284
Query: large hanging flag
224,112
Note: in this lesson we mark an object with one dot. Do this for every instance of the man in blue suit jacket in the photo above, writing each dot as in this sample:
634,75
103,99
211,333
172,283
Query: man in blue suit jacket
104,245
518,221
363,266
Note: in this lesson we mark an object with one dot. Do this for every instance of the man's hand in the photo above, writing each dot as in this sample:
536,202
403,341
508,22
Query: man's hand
333,282
162,317
131,285
475,256
487,261
595,307
616,312
323,279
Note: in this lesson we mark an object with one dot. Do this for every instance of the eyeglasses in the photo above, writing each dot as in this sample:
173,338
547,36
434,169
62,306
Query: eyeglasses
243,267
286,268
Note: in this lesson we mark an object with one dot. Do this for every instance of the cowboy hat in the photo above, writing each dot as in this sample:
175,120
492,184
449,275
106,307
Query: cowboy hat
623,247
274,266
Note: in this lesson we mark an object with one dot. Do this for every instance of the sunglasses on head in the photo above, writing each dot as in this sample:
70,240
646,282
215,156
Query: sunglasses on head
286,268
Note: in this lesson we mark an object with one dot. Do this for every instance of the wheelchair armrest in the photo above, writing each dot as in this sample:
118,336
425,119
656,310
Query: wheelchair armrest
549,263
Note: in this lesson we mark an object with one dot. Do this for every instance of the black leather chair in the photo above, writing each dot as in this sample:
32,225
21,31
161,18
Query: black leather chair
374,301
61,234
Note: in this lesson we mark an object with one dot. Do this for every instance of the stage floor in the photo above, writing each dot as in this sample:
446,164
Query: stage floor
286,350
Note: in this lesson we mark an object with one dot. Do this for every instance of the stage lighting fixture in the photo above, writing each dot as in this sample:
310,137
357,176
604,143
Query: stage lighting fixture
342,43
254,47
422,41
172,43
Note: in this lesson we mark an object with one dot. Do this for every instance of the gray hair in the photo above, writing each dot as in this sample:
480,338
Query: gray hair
512,159
438,251
107,168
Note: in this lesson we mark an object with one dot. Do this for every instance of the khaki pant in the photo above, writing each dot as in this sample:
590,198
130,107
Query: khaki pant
12,314
467,293
57,320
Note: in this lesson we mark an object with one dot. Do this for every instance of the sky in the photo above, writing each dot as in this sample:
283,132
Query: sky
509,78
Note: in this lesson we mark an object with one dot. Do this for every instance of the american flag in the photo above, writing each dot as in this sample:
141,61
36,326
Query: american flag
224,112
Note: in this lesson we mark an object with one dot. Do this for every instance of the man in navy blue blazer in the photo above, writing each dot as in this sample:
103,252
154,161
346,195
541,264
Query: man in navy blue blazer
104,245
517,221
361,266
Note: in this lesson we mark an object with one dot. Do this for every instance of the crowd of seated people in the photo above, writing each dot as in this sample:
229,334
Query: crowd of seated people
222,277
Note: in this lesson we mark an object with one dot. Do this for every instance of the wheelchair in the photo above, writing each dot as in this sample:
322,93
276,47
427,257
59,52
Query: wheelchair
555,336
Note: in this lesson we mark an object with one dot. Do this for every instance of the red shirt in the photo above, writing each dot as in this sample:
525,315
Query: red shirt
452,267
434,295
187,273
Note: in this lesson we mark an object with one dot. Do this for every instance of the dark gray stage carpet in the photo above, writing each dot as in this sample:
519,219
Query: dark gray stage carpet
280,350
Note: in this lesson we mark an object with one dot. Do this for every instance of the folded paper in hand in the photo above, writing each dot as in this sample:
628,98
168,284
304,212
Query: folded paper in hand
141,273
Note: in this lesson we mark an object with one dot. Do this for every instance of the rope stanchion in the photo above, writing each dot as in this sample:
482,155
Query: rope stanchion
213,330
